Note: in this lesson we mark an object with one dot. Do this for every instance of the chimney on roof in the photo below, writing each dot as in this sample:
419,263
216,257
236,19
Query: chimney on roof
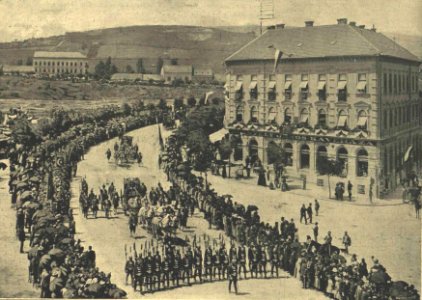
309,23
352,23
281,25
362,26
373,28
342,21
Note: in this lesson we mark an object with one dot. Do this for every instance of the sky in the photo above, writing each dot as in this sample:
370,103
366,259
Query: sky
23,19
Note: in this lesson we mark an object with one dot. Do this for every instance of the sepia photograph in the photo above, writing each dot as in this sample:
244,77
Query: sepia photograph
210,149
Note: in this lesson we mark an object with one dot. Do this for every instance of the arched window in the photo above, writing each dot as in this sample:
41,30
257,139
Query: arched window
288,150
239,114
342,157
342,120
253,150
238,148
272,114
304,116
254,114
304,157
288,116
362,163
322,118
320,157
362,120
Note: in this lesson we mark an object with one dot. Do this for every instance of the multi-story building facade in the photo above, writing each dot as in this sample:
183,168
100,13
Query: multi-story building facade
339,91
53,63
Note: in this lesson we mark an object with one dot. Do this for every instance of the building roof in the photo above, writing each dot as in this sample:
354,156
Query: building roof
18,69
177,69
320,41
58,54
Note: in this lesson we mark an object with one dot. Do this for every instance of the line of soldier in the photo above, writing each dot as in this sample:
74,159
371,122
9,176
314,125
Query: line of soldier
155,271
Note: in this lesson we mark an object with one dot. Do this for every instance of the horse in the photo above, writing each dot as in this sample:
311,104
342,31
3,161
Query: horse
323,249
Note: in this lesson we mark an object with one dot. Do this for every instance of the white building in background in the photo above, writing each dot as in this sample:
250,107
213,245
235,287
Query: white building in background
55,62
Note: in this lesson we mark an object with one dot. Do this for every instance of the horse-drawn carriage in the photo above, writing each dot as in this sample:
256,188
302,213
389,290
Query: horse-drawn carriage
125,151
159,221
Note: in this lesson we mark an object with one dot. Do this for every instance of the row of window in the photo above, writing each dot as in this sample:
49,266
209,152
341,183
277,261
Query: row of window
399,83
305,77
342,117
60,70
362,164
361,88
402,115
62,63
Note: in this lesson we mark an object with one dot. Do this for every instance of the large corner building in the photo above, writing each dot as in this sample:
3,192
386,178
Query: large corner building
339,91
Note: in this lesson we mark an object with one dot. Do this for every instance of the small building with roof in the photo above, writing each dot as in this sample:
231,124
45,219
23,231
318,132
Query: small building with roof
171,73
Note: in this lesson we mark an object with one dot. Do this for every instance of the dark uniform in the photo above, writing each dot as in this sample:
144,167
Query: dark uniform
197,260
274,260
149,269
177,264
262,262
139,274
157,271
232,274
241,254
166,269
208,263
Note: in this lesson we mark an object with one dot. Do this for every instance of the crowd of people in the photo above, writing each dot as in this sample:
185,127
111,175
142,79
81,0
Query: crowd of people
320,266
40,176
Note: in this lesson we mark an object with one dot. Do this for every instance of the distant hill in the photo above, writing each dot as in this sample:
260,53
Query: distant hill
201,46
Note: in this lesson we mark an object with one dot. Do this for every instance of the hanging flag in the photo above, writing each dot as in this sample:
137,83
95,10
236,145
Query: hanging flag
277,56
160,137
207,95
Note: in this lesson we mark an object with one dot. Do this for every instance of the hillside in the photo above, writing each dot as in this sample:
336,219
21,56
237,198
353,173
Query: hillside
200,46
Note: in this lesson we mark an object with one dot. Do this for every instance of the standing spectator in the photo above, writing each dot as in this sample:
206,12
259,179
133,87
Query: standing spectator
363,268
347,242
316,207
304,183
316,231
370,194
21,236
303,214
349,189
309,211
91,256
232,274
248,166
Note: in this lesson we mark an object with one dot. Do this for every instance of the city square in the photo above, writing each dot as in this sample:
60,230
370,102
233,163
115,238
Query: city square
278,161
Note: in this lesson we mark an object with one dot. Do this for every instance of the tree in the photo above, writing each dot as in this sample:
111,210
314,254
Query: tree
127,109
140,66
162,104
178,103
330,167
191,101
226,148
173,61
275,154
129,69
100,69
215,101
19,62
29,61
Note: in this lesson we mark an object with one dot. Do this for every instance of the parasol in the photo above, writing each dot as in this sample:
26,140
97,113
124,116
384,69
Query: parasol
116,293
95,289
56,284
56,252
66,241
25,195
34,179
21,185
45,260
379,277
30,205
